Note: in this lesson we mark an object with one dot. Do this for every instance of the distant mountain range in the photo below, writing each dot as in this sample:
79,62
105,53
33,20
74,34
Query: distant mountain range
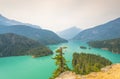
16,45
69,33
41,35
105,31
9,22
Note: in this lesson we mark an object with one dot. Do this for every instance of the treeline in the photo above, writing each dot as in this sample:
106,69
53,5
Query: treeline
16,45
39,51
112,45
85,63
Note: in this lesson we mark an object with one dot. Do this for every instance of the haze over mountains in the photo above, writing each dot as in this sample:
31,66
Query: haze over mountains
28,30
105,31
69,33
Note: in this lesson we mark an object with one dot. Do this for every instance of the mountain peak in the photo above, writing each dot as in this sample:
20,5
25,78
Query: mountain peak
69,33
73,27
9,22
2,17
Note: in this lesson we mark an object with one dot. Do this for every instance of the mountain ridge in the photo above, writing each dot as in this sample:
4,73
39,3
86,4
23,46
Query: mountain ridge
105,31
9,22
41,35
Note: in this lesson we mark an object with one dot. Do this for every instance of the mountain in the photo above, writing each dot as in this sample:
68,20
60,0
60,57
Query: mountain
109,30
112,45
16,45
69,33
8,22
41,35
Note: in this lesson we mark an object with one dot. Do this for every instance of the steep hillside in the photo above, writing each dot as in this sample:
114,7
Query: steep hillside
112,45
108,30
16,45
69,33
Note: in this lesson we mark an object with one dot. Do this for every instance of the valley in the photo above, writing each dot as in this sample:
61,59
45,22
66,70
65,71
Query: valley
27,51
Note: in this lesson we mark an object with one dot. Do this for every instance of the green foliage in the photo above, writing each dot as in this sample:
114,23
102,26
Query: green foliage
112,45
16,45
60,62
39,51
86,63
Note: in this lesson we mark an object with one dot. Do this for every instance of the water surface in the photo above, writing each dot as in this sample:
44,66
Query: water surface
26,67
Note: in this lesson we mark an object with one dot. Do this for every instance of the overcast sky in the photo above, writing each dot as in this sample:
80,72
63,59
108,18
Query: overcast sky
57,15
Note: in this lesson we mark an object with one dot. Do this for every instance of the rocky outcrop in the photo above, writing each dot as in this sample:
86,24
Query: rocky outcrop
109,72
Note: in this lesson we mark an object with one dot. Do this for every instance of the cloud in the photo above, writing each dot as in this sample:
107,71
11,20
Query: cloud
54,14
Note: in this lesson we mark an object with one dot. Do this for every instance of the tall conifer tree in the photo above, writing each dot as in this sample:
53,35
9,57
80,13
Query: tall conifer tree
60,62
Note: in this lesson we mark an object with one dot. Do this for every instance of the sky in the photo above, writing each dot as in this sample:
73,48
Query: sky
57,15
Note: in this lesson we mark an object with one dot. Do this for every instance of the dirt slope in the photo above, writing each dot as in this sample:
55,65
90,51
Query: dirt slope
109,72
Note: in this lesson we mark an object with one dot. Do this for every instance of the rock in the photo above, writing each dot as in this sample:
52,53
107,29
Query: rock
109,72
67,75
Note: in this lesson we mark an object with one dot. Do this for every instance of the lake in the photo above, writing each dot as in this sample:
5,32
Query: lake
26,67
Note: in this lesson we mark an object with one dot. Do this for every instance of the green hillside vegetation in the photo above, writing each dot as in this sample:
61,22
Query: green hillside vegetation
112,45
86,63
16,45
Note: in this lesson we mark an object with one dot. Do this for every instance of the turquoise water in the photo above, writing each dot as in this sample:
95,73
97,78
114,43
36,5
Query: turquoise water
26,67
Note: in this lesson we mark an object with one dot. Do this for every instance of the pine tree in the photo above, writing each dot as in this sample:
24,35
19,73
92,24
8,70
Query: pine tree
60,63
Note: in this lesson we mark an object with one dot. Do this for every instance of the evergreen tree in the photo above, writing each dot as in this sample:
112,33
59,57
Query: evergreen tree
112,45
60,63
85,63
